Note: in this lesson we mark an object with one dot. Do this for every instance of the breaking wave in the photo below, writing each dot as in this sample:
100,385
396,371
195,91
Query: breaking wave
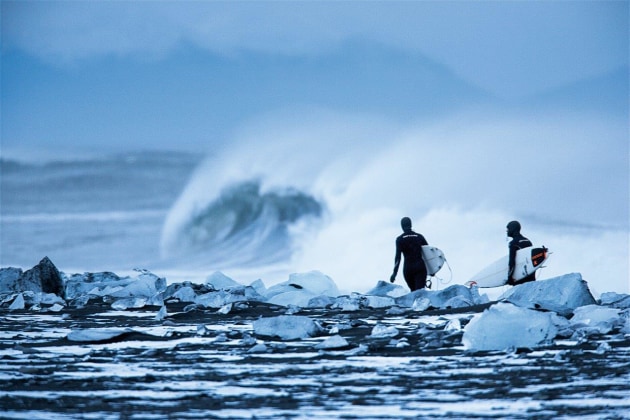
244,225
327,194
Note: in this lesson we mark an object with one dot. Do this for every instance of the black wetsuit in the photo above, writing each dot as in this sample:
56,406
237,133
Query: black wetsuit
410,244
518,242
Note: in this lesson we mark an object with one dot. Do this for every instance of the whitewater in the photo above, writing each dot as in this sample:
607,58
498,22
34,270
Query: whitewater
305,190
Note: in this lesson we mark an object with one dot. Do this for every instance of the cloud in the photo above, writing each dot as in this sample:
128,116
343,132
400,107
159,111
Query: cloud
510,48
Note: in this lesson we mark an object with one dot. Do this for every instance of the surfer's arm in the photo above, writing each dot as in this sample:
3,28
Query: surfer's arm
511,263
396,263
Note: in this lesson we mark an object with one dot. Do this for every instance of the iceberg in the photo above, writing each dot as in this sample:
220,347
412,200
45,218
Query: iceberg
615,300
221,298
333,342
312,282
504,326
185,294
383,331
287,327
455,296
220,281
9,279
559,294
97,335
350,303
129,303
384,288
299,298
146,285
596,317
18,303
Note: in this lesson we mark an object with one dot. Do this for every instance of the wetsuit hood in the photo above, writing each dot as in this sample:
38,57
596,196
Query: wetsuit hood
405,224
513,228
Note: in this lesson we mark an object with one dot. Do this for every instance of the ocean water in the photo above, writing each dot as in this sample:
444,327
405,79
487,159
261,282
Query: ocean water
327,193
96,214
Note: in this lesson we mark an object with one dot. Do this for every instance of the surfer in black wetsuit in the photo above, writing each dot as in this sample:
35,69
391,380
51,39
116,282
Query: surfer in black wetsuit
518,242
410,244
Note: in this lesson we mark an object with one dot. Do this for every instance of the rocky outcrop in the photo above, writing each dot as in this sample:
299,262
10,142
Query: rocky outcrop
44,278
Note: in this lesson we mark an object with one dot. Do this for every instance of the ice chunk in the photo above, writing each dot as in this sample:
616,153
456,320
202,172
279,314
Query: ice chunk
299,298
603,348
185,294
314,282
259,348
259,287
145,285
384,331
220,281
384,288
49,299
162,313
225,309
9,278
18,303
504,326
97,335
559,294
379,301
333,342
457,302
453,325
56,308
594,316
221,298
286,327
351,303
129,303
421,304
615,300
92,283
320,302
456,295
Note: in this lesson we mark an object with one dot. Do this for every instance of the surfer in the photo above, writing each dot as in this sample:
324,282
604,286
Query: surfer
410,244
518,242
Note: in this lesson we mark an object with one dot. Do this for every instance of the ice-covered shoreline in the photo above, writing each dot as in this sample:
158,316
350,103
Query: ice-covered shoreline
118,347
527,316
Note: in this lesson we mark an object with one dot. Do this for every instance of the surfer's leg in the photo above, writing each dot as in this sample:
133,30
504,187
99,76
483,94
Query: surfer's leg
420,279
410,279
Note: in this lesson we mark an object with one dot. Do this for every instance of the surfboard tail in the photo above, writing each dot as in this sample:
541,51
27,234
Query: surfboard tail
539,255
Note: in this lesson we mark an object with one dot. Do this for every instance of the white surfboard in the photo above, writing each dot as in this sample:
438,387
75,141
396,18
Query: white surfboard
433,259
528,260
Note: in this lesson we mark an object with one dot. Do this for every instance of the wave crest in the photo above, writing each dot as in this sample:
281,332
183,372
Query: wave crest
244,224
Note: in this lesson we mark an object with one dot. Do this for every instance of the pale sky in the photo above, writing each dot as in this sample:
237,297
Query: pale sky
162,74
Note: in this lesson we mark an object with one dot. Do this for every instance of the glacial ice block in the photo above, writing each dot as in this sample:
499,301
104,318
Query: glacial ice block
286,327
504,326
601,318
559,294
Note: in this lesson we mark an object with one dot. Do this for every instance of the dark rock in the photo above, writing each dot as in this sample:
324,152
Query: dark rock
44,277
